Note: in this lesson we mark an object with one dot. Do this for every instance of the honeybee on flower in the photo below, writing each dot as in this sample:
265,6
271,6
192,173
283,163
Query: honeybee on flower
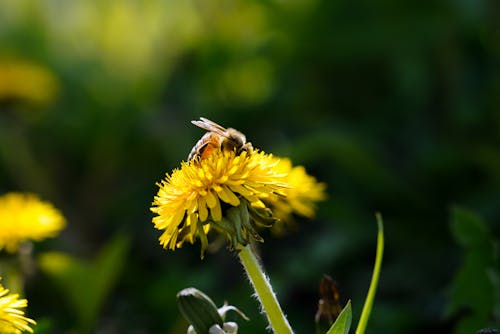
226,185
218,138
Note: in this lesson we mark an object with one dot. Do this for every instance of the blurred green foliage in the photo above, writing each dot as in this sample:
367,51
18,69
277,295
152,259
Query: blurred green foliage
86,285
395,105
475,290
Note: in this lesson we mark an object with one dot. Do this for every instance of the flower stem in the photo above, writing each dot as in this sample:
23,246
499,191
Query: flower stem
264,291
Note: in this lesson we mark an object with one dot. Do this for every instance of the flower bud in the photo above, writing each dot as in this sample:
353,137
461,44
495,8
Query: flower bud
199,310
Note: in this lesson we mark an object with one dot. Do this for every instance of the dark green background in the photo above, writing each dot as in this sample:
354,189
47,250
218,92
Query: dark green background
394,104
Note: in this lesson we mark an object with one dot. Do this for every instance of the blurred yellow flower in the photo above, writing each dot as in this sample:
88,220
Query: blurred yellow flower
12,319
26,217
300,198
26,81
221,192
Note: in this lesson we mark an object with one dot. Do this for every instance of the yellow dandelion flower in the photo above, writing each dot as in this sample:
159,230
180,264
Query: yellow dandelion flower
224,192
26,81
300,197
12,319
25,217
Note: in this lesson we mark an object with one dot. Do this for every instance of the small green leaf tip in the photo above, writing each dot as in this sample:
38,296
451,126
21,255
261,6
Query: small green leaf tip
343,322
199,310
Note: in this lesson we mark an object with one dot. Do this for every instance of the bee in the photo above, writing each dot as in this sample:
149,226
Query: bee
218,138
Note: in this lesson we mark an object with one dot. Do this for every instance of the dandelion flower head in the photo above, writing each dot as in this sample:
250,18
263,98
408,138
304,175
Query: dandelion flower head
26,81
26,217
230,187
12,319
199,197
300,197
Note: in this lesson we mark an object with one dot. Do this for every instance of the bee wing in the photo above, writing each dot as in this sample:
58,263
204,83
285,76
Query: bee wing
208,125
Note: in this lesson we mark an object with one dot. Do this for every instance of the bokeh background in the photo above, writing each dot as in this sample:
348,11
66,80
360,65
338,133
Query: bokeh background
394,105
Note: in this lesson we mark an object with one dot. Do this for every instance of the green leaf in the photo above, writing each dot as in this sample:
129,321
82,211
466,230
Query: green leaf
473,289
43,326
86,285
467,228
343,322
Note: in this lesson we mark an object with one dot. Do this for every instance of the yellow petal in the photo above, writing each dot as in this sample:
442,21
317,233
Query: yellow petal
240,190
211,199
193,224
228,196
216,211
202,209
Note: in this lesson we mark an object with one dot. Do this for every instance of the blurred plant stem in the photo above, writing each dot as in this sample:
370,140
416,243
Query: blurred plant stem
264,291
19,159
12,277
15,269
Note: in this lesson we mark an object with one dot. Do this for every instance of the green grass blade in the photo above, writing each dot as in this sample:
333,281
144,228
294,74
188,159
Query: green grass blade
367,308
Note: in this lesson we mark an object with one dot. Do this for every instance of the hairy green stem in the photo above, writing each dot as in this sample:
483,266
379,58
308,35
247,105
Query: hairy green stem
264,291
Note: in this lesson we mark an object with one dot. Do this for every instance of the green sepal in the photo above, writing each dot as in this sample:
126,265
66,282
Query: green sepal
203,240
226,308
238,226
262,216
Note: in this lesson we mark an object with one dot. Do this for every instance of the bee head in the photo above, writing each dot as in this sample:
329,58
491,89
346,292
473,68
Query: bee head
234,140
